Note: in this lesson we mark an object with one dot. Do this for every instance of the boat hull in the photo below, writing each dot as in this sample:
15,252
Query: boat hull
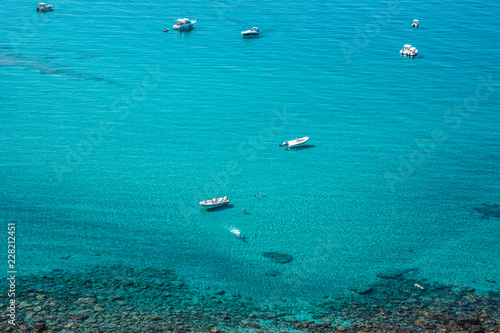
409,53
214,203
45,9
250,35
412,54
295,143
208,206
183,27
184,24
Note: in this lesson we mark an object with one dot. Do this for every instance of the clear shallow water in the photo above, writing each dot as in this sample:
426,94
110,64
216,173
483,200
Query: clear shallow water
113,131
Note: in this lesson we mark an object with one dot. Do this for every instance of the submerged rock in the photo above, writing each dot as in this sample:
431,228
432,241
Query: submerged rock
23,305
277,257
76,318
390,274
467,290
389,305
219,292
274,272
253,325
39,326
434,314
475,329
425,324
489,211
85,300
362,290
468,320
405,330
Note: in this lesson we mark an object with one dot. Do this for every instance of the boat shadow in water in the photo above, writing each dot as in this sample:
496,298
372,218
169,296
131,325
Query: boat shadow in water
302,147
183,32
216,209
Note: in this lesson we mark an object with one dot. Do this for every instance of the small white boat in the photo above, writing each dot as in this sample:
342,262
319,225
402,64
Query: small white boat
215,202
408,51
415,24
184,24
43,7
254,32
295,143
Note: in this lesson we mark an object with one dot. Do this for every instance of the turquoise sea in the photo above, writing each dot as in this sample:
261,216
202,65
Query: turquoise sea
112,131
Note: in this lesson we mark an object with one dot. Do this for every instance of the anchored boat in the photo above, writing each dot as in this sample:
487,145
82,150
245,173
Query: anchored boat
43,7
184,24
295,143
254,32
215,202
408,51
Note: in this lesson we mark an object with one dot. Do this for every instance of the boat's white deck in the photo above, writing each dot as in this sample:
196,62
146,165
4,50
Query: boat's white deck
296,142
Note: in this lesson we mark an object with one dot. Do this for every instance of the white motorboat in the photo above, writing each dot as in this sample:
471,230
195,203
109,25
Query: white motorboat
184,24
215,202
254,32
415,24
295,143
408,51
43,7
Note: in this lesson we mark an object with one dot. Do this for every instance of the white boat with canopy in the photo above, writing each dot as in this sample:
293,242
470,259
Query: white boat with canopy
43,7
254,32
184,24
408,51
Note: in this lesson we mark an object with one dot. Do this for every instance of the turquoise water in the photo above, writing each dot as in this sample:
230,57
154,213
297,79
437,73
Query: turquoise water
112,131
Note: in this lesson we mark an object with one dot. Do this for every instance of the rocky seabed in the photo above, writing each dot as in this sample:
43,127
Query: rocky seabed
121,299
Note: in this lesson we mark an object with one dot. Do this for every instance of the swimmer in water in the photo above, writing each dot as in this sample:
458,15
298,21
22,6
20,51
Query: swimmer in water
237,233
